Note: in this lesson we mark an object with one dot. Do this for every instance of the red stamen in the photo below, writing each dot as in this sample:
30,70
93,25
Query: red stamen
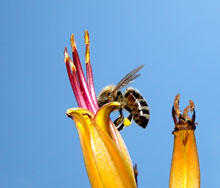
89,74
91,83
74,82
83,84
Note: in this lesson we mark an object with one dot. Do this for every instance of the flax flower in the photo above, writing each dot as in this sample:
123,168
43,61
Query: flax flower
184,171
106,158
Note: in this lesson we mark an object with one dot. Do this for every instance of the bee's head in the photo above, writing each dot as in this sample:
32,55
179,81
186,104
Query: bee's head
106,95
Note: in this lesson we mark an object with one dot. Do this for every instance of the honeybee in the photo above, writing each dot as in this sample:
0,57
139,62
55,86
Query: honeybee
131,100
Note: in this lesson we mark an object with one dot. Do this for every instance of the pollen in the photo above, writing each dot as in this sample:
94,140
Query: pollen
127,122
73,43
66,56
87,37
87,42
72,66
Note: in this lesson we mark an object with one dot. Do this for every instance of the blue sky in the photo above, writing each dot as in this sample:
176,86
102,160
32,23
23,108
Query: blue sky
179,43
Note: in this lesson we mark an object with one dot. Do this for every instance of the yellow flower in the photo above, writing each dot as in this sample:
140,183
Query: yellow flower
185,172
106,158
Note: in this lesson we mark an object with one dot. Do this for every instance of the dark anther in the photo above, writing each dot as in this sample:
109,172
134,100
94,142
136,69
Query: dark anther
194,116
174,115
136,173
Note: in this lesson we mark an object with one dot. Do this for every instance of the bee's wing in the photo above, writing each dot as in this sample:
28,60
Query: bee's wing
128,78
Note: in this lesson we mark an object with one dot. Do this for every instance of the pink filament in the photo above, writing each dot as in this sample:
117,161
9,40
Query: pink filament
75,86
91,84
83,84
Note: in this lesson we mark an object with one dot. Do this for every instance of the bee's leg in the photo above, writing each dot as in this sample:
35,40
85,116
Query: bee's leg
119,121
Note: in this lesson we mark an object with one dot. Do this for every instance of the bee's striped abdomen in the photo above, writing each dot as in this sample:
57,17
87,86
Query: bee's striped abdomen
138,106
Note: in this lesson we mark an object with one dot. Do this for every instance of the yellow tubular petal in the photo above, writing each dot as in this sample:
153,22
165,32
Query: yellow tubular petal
185,163
185,172
90,163
107,164
193,172
102,121
110,162
83,124
84,116
126,156
178,172
102,116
